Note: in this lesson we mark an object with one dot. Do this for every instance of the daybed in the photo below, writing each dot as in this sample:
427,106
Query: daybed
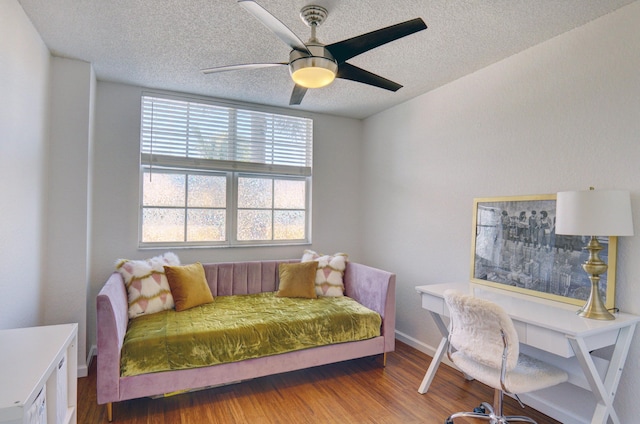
373,288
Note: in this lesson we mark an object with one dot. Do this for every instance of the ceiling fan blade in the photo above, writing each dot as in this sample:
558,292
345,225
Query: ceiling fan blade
240,67
353,73
274,24
346,49
297,94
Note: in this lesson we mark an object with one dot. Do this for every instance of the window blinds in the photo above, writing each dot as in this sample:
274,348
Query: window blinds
189,135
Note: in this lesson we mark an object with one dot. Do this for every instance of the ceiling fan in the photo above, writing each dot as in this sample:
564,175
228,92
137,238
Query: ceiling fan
313,64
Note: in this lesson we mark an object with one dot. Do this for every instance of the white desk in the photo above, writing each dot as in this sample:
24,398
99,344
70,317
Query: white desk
553,332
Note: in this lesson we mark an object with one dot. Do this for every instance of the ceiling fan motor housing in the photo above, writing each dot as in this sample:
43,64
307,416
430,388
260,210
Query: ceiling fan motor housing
315,71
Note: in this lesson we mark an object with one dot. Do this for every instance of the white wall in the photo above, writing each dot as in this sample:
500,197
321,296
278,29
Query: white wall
68,206
563,115
335,214
24,84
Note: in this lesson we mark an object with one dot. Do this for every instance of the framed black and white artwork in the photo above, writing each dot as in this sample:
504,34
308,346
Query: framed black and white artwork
515,247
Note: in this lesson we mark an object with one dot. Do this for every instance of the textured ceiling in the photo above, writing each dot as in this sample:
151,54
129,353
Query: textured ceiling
164,44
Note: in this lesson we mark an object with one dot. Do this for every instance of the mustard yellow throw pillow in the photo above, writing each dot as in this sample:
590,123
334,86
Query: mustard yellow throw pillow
189,286
297,280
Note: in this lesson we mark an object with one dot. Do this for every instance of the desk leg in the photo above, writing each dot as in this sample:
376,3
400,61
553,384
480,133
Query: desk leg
437,357
604,391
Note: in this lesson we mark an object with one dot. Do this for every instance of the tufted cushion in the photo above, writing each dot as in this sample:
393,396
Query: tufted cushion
330,272
147,287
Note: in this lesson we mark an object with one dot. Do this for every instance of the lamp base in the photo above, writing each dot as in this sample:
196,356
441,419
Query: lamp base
594,266
594,308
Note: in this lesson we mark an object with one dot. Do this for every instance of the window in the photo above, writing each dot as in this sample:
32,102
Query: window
213,175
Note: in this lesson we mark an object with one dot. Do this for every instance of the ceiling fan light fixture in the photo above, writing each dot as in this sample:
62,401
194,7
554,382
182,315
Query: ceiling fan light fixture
313,72
314,64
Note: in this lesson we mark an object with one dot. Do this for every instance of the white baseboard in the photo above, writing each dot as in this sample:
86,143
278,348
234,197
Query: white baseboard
422,347
93,351
83,370
415,343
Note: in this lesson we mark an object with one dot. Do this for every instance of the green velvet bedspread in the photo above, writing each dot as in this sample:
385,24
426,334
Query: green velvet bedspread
233,328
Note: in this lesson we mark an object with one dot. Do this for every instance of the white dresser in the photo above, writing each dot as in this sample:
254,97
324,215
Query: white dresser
38,375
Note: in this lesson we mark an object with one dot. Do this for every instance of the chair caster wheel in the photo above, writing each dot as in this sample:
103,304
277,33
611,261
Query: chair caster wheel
480,409
448,421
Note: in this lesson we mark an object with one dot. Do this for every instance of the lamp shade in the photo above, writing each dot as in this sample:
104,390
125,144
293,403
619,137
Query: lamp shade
594,213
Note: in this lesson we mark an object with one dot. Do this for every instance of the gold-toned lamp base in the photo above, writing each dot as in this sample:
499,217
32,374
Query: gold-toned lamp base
594,266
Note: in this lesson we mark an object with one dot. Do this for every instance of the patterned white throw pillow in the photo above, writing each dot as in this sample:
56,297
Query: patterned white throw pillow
148,290
329,277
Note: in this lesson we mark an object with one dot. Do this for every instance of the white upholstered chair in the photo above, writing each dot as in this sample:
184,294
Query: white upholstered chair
483,344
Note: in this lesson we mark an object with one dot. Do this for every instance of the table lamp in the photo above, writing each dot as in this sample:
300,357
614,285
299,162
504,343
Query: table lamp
594,213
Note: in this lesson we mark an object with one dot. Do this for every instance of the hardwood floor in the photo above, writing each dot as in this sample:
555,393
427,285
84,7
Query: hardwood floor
357,391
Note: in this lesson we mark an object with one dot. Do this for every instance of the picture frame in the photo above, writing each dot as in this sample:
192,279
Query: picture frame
514,247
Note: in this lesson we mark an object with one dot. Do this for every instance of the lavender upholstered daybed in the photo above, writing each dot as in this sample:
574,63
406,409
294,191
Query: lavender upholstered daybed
369,286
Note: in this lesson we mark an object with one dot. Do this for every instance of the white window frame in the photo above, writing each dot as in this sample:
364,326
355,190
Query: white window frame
288,167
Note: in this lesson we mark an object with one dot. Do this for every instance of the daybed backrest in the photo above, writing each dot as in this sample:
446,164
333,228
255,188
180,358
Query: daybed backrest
229,278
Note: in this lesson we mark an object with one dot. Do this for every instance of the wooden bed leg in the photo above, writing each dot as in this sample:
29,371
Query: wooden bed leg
110,411
384,359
